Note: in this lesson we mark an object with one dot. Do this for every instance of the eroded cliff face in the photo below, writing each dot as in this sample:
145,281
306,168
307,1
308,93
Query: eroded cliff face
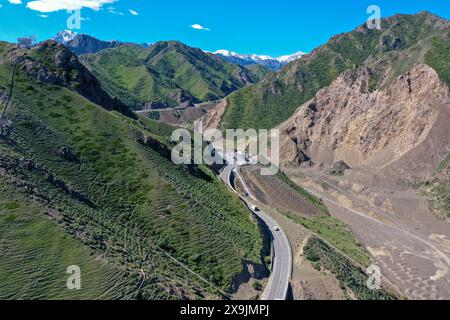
398,131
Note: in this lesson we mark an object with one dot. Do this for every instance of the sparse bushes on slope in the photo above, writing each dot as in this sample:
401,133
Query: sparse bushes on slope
349,275
438,58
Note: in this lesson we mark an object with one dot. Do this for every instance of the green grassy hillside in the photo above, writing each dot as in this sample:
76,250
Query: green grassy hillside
85,186
36,253
438,57
166,74
273,100
259,72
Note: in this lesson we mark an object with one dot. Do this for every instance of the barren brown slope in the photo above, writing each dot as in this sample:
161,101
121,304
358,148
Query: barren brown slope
398,132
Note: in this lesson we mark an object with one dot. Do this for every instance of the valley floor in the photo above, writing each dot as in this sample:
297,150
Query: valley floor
409,243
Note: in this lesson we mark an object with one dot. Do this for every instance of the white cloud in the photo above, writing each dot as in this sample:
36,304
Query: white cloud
15,1
113,10
199,27
43,15
134,13
57,5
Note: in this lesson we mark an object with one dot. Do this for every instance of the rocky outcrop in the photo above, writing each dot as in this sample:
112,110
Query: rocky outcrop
183,98
178,97
244,76
397,131
211,120
68,154
83,43
52,63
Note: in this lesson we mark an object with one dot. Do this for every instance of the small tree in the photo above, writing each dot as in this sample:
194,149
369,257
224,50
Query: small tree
257,286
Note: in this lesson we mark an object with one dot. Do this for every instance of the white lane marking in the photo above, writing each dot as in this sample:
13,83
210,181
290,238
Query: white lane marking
271,225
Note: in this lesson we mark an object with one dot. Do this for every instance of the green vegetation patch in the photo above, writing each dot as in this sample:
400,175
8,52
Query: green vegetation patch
166,74
438,58
155,115
441,190
349,274
444,164
318,203
36,254
157,128
9,206
337,233
339,168
437,189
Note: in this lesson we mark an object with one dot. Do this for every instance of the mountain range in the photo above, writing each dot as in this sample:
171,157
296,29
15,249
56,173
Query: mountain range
266,61
166,74
277,96
86,181
83,43
162,75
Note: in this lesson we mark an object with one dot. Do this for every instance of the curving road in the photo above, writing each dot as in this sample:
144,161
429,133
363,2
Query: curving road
278,285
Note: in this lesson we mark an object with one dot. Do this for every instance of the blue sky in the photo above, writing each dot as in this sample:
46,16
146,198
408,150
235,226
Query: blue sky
245,26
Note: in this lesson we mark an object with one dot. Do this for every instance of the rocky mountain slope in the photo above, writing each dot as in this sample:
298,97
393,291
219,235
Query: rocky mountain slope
386,120
166,74
275,99
52,63
83,184
388,116
399,130
83,43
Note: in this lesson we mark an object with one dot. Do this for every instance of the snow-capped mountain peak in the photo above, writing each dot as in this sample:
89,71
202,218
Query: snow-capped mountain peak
83,43
255,56
65,36
265,60
290,58
227,53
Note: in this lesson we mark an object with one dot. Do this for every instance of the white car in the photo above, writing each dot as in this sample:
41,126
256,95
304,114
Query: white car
277,229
